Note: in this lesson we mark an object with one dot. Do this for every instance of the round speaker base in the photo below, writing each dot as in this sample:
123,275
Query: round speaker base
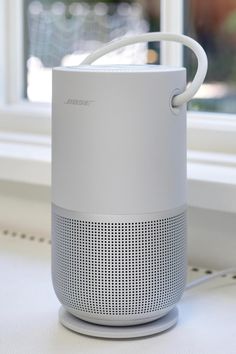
75,324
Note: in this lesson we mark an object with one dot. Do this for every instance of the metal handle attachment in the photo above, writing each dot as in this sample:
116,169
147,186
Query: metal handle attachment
183,97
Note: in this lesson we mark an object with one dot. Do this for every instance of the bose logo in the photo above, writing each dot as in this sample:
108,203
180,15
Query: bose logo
77,102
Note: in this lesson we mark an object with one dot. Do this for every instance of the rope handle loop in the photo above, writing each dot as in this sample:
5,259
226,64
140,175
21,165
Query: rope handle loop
181,98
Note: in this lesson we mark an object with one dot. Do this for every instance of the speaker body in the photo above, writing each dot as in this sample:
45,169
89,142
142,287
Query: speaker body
118,192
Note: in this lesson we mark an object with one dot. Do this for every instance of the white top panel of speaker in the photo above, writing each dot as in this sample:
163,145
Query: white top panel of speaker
120,68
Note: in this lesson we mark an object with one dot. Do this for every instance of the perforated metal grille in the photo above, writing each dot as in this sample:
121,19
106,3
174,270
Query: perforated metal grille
119,268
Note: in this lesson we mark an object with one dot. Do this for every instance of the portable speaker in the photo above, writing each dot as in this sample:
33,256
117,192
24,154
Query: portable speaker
119,192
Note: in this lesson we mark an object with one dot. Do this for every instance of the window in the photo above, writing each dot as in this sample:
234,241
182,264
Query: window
38,34
65,32
213,24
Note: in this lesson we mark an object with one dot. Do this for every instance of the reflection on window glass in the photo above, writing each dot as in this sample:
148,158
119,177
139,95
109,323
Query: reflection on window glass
213,24
65,32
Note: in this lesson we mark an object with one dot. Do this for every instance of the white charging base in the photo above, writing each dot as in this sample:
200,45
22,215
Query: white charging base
90,329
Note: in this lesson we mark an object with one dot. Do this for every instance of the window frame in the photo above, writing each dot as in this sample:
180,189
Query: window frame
206,130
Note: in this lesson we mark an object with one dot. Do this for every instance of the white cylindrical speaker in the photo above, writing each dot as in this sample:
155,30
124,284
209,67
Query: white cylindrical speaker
119,189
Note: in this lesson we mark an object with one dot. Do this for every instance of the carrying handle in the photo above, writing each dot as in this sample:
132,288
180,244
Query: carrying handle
183,97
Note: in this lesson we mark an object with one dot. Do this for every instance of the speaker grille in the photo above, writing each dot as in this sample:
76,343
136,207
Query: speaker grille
119,268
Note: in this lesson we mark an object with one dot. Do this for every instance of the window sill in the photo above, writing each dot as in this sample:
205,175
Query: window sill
206,131
26,158
212,181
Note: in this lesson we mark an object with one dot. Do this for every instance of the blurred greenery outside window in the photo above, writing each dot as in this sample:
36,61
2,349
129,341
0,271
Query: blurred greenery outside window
213,24
64,32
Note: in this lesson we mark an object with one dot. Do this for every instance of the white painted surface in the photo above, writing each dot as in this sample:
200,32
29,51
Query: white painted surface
26,208
211,238
172,13
29,312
